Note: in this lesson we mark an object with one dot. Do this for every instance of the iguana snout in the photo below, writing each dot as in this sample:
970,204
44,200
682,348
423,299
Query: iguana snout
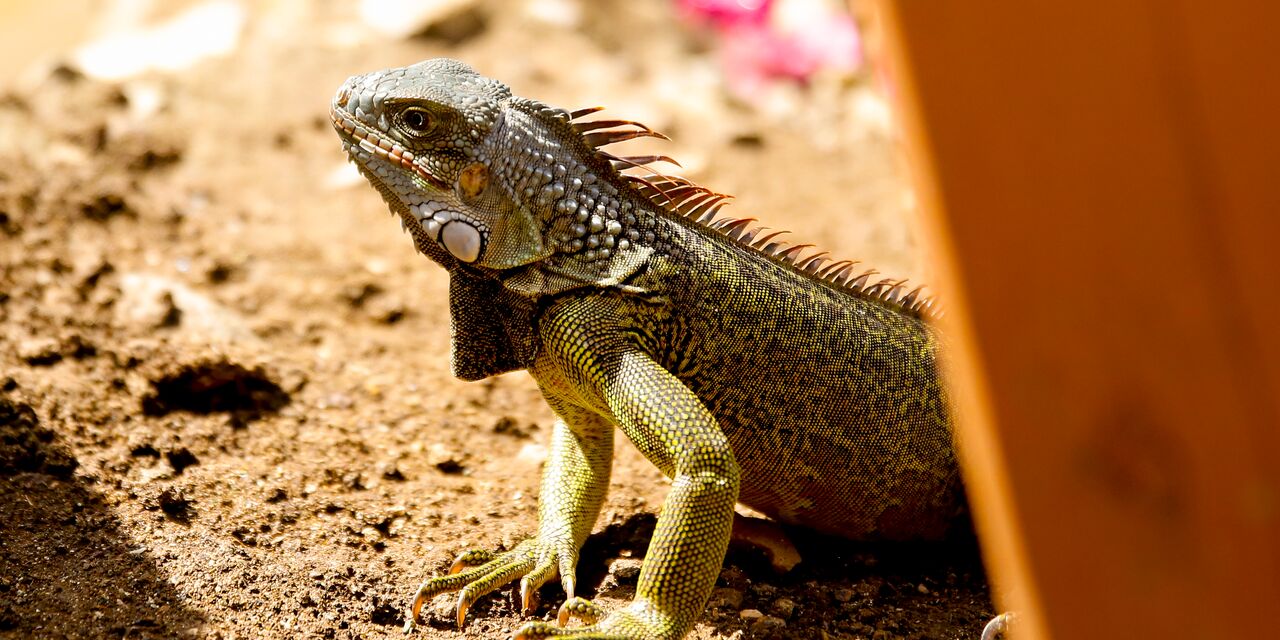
421,135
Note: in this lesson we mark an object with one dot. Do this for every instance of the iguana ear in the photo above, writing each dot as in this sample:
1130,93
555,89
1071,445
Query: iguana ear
492,330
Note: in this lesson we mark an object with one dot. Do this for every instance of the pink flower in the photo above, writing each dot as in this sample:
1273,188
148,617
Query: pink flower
726,13
763,41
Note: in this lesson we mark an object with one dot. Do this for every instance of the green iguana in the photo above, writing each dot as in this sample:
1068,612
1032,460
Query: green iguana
746,371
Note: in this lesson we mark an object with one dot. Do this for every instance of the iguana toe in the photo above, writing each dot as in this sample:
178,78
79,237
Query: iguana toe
472,558
534,580
579,608
499,572
475,581
540,630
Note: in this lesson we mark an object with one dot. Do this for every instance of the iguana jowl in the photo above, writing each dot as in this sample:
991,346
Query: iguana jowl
745,372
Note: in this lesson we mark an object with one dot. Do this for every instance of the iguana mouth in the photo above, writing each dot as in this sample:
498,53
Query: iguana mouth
448,227
356,133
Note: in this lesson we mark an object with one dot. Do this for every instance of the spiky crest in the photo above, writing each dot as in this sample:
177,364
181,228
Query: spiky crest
701,205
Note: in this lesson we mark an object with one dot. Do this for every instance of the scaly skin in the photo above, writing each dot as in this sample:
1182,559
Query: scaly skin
736,370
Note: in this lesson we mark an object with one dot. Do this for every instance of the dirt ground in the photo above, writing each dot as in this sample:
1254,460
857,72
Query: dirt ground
225,402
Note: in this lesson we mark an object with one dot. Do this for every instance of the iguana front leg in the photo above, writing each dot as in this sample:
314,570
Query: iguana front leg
669,424
574,482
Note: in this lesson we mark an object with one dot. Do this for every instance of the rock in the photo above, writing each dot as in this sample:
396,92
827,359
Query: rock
764,591
750,615
767,626
783,608
842,595
625,570
725,598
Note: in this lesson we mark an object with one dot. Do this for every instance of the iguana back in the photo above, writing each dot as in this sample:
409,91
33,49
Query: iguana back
829,397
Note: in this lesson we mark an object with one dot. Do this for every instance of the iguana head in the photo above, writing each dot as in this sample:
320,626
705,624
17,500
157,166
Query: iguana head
486,179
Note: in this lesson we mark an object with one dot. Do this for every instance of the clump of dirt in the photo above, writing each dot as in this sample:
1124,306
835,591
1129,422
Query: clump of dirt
26,447
215,385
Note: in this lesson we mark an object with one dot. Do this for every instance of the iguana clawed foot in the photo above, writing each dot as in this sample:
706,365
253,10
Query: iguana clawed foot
479,572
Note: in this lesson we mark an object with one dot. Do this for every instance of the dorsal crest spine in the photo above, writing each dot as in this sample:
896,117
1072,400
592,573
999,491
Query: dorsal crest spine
682,197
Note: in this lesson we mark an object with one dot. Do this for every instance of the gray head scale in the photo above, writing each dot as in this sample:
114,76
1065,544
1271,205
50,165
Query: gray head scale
426,136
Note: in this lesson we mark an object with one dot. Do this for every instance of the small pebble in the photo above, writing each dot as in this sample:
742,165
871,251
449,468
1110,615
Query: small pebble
783,607
625,570
767,625
726,598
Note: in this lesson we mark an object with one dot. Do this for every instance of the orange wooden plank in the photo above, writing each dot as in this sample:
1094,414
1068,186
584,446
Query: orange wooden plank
1104,185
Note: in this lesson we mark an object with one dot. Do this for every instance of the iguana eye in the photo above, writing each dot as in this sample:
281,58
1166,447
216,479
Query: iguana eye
418,121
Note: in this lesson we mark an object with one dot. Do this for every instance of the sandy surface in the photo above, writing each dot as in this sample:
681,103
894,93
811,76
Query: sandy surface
225,400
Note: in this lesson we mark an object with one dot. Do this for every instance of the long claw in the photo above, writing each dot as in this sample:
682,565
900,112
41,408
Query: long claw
415,609
528,597
532,581
463,605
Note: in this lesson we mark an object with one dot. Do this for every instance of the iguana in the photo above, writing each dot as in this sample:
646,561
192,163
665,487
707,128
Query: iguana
746,369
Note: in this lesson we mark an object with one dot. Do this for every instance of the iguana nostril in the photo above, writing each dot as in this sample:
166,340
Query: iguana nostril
341,98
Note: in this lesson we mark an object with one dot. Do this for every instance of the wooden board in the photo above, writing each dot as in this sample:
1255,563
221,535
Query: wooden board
1103,183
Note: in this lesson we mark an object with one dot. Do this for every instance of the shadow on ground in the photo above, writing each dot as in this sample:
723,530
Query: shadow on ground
66,570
